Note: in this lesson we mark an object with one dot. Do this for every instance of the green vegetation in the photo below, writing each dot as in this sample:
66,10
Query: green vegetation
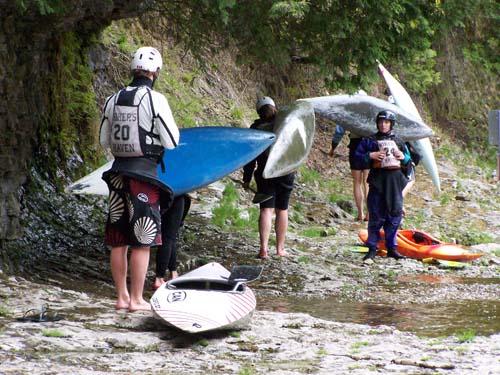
359,344
73,113
436,341
407,36
245,371
203,343
53,333
152,348
470,238
348,290
304,259
391,274
4,311
308,176
314,232
415,219
296,217
314,32
322,351
227,215
354,367
44,7
467,335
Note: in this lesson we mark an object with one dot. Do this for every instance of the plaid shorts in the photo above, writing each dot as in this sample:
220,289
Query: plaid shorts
134,213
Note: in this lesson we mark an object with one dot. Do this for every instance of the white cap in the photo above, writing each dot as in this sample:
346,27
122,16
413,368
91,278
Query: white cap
265,100
146,58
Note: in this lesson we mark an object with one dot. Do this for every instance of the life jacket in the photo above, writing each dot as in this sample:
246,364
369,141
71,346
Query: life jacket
388,143
128,138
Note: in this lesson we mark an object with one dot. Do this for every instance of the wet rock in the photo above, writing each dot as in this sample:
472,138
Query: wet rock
109,341
462,196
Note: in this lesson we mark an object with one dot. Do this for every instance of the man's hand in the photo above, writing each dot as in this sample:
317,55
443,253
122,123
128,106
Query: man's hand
377,155
399,155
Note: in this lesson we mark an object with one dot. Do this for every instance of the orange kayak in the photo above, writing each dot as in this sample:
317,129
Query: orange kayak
420,245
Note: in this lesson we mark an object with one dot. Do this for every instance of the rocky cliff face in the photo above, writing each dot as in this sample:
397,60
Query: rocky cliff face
31,38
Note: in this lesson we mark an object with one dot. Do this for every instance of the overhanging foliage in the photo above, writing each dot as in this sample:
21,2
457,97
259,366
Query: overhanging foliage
342,37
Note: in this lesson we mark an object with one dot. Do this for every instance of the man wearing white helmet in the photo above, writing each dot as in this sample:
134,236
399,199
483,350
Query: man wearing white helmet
276,190
137,126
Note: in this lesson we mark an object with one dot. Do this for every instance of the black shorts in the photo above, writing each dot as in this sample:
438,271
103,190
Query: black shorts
356,164
280,188
134,213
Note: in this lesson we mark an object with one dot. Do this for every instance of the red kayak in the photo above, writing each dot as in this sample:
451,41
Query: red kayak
420,245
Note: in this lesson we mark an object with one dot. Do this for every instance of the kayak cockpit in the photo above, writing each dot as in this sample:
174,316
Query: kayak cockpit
215,285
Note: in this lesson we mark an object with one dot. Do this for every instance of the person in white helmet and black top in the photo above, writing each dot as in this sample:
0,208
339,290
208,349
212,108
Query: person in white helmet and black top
386,153
137,126
276,190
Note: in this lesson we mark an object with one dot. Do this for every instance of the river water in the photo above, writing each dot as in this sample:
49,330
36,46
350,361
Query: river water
429,320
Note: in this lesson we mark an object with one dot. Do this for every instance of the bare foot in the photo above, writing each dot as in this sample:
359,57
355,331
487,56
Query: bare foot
263,254
173,275
122,305
159,281
283,253
143,306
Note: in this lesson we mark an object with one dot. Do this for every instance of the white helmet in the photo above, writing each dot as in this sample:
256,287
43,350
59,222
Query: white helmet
265,100
148,59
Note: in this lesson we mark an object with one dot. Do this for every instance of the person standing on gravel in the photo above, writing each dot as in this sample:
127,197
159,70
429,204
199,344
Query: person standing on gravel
277,190
359,169
172,220
386,154
137,126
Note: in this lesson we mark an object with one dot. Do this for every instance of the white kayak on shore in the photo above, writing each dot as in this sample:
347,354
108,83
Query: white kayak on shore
208,298
357,113
423,146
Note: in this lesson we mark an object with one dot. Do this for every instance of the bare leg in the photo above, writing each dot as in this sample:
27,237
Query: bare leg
365,190
118,260
408,187
265,222
357,190
139,261
281,226
159,281
405,191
